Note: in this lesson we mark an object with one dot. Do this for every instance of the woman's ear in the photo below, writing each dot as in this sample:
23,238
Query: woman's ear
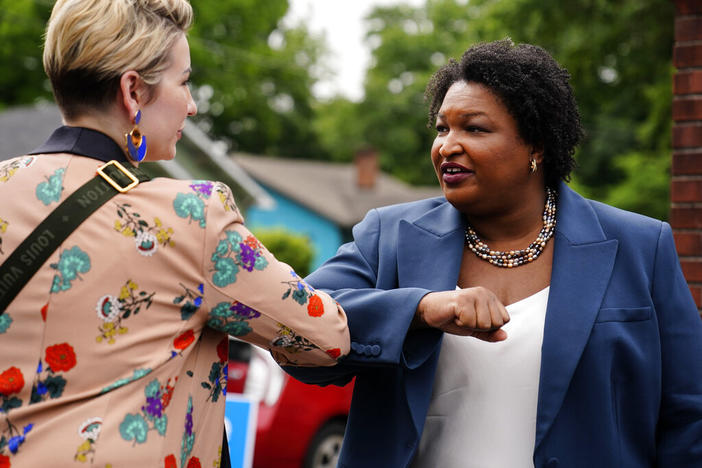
537,154
132,92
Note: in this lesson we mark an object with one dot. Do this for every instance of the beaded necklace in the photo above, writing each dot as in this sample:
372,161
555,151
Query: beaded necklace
515,258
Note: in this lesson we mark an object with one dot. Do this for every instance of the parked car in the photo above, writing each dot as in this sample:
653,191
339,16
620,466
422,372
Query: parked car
298,425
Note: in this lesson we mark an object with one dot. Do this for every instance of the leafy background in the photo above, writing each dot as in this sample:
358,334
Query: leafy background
253,77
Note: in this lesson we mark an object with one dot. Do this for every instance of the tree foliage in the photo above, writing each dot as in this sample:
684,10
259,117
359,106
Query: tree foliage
619,56
293,249
255,76
22,78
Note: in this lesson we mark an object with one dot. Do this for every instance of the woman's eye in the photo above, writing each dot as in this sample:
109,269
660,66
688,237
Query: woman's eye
474,129
441,129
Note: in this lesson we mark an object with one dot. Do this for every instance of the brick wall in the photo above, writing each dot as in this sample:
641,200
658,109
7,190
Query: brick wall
686,184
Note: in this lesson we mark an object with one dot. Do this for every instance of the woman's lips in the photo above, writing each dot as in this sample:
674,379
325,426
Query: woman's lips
452,173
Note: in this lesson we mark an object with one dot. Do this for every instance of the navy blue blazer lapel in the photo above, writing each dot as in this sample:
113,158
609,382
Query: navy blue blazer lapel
431,248
583,259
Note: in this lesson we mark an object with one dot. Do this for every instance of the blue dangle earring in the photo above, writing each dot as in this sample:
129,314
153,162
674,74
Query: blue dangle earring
136,142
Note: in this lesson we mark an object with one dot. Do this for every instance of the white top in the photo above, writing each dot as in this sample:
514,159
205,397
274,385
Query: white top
483,407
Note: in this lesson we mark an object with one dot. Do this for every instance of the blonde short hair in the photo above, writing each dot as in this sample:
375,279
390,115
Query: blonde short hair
89,44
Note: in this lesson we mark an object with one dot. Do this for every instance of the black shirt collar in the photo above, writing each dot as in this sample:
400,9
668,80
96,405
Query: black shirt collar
83,142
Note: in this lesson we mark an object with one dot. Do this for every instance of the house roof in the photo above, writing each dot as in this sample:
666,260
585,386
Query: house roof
24,128
330,189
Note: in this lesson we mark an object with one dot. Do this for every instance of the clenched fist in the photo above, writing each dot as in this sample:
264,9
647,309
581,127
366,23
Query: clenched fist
468,312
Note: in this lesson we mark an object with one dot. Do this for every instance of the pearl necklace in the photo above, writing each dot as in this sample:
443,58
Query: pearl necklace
515,258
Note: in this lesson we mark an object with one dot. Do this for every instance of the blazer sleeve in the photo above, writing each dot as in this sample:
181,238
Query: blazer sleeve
361,278
680,422
261,300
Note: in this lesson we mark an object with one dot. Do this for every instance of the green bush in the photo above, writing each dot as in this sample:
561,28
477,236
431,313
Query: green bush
294,249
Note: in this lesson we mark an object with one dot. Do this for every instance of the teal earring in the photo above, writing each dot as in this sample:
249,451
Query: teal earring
135,141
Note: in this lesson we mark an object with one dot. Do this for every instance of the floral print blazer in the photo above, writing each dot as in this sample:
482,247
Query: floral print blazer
115,353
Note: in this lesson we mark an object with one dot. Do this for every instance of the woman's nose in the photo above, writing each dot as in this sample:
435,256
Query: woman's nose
450,145
192,107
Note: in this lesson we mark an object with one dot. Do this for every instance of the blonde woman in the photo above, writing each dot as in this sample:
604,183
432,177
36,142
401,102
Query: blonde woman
114,352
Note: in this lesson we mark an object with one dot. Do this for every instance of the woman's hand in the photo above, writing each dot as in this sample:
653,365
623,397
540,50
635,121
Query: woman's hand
468,312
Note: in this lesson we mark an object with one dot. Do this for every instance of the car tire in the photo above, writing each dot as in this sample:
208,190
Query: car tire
325,447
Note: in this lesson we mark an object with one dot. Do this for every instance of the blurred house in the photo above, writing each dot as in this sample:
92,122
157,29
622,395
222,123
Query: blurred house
324,200
198,157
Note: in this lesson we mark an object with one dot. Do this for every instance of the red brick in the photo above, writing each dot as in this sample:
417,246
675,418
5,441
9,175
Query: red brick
696,292
692,269
687,163
687,136
685,56
688,7
688,243
685,218
687,82
688,28
687,108
684,191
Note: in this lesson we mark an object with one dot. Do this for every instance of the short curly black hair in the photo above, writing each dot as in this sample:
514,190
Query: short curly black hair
532,86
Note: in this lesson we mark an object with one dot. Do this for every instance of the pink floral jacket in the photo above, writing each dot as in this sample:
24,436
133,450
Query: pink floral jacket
115,353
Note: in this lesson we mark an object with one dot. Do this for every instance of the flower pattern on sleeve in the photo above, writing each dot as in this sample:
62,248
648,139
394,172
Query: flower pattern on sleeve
232,318
291,341
147,237
192,205
113,310
226,197
50,190
304,294
234,252
71,262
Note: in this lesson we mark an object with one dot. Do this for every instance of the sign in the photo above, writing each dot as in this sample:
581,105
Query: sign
240,415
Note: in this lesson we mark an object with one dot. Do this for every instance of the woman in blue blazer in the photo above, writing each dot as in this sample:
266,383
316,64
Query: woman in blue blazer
571,341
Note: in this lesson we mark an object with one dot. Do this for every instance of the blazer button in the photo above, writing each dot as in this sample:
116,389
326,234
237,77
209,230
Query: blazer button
375,350
552,463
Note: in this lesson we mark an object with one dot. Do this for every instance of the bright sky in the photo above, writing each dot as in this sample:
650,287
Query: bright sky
342,23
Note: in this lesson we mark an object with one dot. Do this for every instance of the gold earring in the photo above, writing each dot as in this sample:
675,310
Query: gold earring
532,165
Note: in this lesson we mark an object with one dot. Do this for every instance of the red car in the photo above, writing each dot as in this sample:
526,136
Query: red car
298,425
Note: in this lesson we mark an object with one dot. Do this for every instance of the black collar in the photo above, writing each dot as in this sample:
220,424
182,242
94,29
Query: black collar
83,142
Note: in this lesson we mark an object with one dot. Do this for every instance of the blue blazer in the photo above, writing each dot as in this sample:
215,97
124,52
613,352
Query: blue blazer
621,368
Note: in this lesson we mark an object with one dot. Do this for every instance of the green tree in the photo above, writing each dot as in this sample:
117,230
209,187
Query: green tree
293,249
254,76
22,78
619,56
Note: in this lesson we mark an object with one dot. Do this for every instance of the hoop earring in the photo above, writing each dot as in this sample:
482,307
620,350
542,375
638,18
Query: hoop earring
135,141
532,165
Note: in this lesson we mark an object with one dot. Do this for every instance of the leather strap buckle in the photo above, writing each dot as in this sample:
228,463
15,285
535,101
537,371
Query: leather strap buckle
112,182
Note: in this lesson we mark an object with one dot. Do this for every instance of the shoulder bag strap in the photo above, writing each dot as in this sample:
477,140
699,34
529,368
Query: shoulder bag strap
15,272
